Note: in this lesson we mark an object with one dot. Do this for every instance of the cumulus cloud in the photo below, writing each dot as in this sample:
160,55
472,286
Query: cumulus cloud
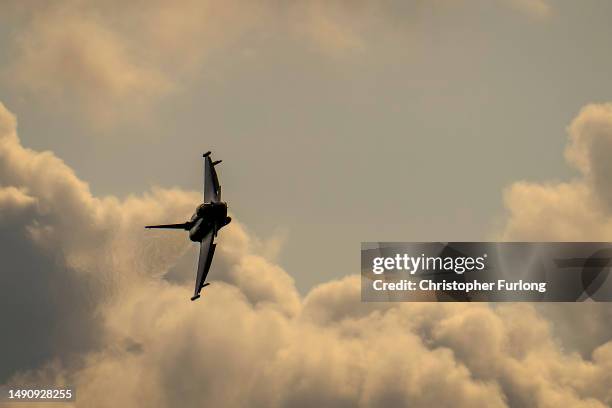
67,254
88,300
575,210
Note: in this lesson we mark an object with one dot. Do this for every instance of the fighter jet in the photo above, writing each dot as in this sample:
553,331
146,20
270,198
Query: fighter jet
205,223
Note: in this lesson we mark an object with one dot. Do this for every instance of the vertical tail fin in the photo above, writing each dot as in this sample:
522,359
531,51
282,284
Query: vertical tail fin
184,226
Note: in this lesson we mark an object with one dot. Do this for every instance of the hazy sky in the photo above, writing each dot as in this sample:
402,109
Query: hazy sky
395,121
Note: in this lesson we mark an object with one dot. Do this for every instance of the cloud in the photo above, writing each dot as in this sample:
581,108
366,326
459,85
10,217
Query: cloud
87,296
68,254
534,8
114,60
70,58
575,210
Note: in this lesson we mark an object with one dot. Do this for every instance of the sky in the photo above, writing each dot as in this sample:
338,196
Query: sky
338,122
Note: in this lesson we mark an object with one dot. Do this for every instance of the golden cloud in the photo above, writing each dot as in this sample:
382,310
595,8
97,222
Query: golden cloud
251,340
114,60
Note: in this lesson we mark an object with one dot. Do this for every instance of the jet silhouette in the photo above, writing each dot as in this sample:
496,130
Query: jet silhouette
206,221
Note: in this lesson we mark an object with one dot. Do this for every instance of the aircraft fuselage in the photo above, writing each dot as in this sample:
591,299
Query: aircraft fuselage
207,216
